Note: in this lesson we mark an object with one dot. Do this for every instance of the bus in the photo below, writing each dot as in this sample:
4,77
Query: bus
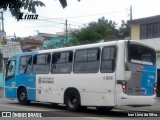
1,71
102,75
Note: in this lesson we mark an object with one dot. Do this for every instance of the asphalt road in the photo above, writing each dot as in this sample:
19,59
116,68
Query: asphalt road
58,113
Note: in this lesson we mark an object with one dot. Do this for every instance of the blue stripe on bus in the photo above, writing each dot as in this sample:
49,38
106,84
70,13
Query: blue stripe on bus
29,82
1,80
148,79
10,92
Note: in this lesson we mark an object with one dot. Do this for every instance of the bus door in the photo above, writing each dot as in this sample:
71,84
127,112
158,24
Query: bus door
25,77
108,66
10,79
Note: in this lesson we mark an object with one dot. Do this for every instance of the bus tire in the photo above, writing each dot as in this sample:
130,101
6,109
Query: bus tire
22,96
72,100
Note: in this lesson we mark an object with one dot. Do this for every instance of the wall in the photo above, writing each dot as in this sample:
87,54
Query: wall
135,32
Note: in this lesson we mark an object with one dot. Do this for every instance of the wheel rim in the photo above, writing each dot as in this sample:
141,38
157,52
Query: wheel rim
22,96
72,101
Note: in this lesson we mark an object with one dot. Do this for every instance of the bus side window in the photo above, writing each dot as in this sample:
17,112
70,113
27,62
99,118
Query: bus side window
62,62
108,59
11,67
25,66
41,63
87,61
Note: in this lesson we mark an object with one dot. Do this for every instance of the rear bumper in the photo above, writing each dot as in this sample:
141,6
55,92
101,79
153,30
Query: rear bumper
123,99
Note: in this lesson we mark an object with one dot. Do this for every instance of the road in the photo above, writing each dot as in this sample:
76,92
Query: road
58,112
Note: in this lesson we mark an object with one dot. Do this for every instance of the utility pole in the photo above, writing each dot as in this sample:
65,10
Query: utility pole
131,12
2,19
66,30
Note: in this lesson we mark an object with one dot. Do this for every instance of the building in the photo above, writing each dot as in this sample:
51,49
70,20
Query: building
147,30
29,45
45,37
59,39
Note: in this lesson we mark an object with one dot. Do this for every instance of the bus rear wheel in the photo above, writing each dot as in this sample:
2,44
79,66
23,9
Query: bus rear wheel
72,100
22,97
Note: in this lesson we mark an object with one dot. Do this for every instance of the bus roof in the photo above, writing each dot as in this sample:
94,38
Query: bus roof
81,47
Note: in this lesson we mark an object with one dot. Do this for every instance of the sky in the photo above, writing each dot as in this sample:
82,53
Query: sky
52,17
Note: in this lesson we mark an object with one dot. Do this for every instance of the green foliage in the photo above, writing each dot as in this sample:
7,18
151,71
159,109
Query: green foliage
15,6
64,3
101,30
96,31
124,30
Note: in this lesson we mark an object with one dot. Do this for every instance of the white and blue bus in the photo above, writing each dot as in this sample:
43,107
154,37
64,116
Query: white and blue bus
1,71
104,74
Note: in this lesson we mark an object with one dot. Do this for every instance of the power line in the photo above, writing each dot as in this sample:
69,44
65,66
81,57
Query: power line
31,26
58,22
88,15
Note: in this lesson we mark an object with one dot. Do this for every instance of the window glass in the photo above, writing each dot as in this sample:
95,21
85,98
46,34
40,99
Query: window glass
150,30
141,54
81,55
11,68
25,65
42,59
41,63
23,60
62,62
108,59
93,55
87,61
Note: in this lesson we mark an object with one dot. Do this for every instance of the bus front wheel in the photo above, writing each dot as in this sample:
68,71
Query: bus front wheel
72,100
22,96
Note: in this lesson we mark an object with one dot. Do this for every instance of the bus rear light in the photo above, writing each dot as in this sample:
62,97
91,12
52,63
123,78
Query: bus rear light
124,86
155,88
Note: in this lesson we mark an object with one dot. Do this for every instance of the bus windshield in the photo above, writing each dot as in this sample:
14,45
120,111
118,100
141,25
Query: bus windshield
141,54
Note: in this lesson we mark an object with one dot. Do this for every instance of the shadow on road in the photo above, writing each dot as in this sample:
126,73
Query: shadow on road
61,111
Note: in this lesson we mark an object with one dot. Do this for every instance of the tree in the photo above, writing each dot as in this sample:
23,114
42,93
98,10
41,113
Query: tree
124,30
64,3
96,31
16,6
